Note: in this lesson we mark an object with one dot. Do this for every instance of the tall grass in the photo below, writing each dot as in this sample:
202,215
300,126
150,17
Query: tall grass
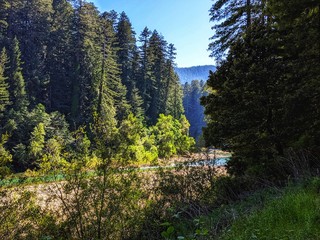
294,216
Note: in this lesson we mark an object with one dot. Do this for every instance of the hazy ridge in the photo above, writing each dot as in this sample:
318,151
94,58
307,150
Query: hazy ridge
188,74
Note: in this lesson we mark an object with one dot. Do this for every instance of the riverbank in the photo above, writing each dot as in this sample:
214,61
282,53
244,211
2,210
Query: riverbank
210,155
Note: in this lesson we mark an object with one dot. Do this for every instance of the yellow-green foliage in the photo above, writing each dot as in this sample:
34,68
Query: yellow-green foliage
5,157
172,136
139,144
135,144
151,151
52,158
37,141
4,93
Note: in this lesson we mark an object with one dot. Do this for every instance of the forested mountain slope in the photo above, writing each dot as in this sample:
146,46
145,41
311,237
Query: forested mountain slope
193,80
192,92
192,73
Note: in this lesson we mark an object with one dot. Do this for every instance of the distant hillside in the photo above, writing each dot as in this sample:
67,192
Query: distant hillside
192,92
194,73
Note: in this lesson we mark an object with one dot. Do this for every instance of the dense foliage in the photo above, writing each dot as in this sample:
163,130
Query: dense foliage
263,101
81,100
64,65
82,104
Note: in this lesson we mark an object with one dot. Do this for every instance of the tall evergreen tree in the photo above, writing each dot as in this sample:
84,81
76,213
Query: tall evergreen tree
174,105
231,18
126,44
136,103
3,21
31,22
112,93
169,77
136,75
8,20
145,79
246,106
157,52
17,88
4,86
186,99
173,90
297,24
87,56
60,66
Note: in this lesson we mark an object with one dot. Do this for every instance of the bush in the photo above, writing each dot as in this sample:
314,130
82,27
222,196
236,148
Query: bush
172,136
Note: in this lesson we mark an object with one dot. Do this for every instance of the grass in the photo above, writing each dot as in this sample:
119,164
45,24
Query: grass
291,213
21,180
220,219
294,216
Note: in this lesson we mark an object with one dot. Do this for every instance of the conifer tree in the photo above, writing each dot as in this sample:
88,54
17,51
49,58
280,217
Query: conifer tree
3,22
186,99
4,87
169,77
87,56
173,91
157,52
231,18
145,80
60,66
114,90
17,88
105,106
30,22
8,16
37,142
245,106
136,103
174,105
126,44
297,35
136,75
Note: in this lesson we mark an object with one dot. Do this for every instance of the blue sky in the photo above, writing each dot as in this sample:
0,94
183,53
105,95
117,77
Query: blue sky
185,23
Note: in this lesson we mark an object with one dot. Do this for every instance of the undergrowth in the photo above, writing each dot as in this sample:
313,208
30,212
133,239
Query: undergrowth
273,213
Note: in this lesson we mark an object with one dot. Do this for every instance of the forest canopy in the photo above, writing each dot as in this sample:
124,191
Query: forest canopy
263,104
65,66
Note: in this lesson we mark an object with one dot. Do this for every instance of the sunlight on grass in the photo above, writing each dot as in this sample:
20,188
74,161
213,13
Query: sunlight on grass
294,216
